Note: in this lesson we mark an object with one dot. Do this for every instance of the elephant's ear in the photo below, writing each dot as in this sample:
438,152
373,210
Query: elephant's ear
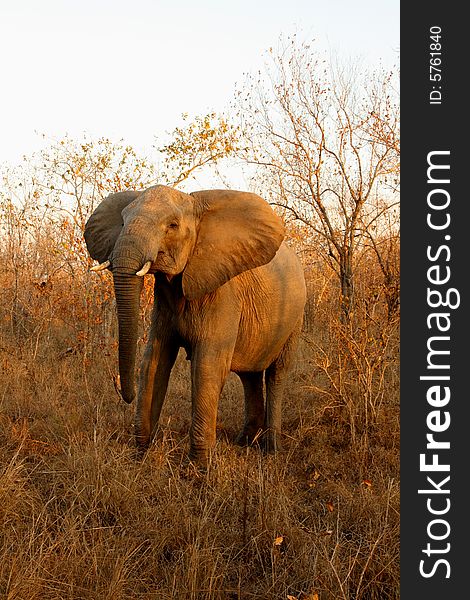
238,231
104,226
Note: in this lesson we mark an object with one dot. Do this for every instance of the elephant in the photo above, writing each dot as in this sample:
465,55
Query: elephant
227,289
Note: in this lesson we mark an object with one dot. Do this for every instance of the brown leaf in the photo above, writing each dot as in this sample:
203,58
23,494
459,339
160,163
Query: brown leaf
330,506
314,476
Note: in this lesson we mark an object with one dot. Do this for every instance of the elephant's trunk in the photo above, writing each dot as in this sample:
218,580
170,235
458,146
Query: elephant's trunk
127,288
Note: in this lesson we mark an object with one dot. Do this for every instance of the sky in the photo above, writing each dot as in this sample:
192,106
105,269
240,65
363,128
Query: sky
128,69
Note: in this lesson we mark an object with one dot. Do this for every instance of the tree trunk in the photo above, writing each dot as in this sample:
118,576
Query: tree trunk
347,287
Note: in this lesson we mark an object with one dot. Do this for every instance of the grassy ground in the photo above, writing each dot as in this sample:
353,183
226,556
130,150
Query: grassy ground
83,517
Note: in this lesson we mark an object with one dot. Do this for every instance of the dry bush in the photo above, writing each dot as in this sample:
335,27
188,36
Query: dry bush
357,360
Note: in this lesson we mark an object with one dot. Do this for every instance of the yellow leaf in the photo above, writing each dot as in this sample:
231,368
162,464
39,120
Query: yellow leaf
278,541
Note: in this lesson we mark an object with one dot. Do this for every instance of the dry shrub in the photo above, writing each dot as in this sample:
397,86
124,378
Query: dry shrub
359,359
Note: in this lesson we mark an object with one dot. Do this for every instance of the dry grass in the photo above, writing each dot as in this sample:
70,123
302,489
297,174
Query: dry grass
83,517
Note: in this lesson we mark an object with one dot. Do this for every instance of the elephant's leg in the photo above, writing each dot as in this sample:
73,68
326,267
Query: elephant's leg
254,407
160,386
159,358
276,375
209,369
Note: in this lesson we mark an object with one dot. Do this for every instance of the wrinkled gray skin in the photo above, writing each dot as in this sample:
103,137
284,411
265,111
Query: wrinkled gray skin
226,289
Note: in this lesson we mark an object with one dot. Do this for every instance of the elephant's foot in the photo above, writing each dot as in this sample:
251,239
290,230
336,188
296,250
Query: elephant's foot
191,468
249,436
200,456
141,448
142,441
271,442
144,433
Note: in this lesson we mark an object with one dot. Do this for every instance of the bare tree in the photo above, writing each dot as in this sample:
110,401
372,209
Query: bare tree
325,143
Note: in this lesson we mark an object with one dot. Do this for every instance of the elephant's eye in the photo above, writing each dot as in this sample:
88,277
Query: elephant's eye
173,225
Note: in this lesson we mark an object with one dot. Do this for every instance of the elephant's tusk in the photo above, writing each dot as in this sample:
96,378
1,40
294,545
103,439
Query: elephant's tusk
144,269
101,267
117,386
